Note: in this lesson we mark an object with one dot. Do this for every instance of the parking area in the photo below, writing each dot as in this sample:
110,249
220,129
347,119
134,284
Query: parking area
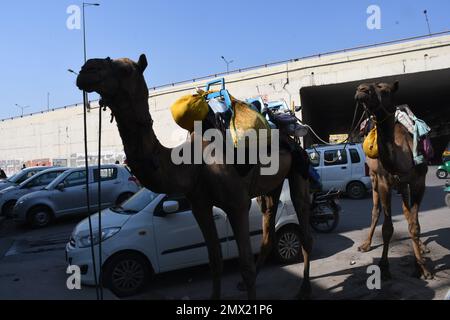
32,262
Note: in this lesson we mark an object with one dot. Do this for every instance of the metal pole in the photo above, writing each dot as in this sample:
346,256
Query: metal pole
88,202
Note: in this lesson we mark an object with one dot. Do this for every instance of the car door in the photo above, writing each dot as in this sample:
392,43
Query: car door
110,186
180,242
357,164
336,170
72,199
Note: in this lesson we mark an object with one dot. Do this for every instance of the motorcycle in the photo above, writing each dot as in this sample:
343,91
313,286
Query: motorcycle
325,211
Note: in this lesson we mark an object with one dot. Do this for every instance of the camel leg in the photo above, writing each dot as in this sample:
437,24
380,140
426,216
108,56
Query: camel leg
388,228
366,246
239,221
204,216
269,206
423,248
299,188
412,216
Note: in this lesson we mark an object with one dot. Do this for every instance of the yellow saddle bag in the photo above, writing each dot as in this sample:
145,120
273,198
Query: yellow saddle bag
190,108
370,145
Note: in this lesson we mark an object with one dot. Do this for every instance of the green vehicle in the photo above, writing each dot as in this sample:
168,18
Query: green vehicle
443,171
447,195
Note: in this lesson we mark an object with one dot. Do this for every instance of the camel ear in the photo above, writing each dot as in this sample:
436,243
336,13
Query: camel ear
142,63
395,86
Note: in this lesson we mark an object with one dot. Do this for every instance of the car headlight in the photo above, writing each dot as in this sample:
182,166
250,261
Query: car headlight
85,241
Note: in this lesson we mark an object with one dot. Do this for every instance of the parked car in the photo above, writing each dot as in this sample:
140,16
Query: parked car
10,195
66,195
155,233
443,170
20,177
342,168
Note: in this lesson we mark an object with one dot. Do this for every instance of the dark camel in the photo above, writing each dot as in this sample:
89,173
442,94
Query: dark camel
394,167
122,88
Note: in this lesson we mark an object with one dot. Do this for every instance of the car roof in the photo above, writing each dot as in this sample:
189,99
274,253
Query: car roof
36,168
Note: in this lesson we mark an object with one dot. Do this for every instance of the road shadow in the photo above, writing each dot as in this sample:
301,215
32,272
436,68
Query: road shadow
274,282
440,236
354,285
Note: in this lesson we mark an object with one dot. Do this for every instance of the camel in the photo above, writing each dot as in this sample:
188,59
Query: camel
122,87
393,168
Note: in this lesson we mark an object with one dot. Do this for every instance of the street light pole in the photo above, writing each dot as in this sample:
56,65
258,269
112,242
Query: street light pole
228,63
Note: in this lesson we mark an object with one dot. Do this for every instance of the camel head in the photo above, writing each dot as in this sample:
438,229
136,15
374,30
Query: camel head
376,96
119,82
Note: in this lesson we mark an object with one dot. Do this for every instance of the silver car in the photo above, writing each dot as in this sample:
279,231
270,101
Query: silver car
10,195
66,195
20,177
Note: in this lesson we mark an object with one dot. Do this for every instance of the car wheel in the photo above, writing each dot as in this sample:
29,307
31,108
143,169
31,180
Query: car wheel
447,199
356,190
441,174
123,197
8,208
127,274
39,217
288,245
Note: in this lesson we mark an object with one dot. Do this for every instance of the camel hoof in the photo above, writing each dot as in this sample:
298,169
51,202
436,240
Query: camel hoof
241,286
304,293
385,273
424,250
427,275
365,247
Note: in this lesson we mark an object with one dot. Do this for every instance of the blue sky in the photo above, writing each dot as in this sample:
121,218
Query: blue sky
184,39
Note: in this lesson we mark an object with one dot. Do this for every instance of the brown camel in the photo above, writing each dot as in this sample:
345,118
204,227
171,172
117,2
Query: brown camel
123,89
394,167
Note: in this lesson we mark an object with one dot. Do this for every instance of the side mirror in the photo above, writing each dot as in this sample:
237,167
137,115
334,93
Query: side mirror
60,187
170,206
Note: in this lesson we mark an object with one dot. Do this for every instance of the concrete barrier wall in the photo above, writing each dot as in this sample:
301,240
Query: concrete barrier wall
58,135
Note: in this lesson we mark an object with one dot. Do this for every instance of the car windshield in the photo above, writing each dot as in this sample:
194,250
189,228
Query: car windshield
21,176
136,203
41,179
13,177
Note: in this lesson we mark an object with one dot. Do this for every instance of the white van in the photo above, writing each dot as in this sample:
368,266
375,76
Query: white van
342,167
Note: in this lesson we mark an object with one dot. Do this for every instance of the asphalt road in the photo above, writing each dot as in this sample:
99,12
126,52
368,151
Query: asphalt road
32,264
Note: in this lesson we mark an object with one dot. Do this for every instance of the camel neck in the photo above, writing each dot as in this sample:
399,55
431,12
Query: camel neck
385,137
148,159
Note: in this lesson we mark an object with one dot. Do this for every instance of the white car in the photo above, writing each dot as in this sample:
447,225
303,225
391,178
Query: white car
154,233
342,167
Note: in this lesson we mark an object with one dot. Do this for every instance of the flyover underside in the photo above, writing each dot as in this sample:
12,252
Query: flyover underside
329,109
